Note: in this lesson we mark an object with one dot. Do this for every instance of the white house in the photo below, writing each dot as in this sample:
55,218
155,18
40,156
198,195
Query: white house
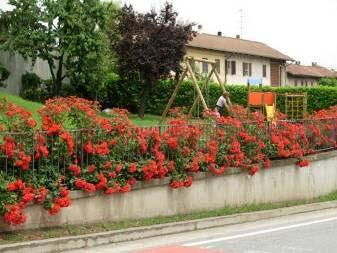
307,76
239,59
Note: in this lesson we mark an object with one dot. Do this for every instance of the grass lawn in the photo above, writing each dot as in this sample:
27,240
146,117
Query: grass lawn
148,120
154,120
33,107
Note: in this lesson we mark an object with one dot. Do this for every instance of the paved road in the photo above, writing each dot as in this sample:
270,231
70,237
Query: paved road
301,233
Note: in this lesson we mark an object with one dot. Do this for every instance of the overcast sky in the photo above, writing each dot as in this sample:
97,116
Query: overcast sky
306,30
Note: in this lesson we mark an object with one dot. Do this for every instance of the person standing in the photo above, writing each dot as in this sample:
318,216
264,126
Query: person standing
223,105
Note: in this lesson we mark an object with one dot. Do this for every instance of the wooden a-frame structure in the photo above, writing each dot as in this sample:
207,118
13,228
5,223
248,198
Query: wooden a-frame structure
188,72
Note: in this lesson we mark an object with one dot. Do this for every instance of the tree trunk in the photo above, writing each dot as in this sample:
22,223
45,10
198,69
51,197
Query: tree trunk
177,74
142,102
51,69
59,75
58,84
56,79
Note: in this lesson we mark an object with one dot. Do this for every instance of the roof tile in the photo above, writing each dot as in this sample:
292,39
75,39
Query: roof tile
312,71
235,45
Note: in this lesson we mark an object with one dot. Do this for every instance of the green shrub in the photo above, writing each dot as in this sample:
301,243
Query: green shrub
4,74
332,82
126,95
318,97
32,88
30,81
122,93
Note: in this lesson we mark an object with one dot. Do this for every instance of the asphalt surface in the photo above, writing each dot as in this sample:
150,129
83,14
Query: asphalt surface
307,232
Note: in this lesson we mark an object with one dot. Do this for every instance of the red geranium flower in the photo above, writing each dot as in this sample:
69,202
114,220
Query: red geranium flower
303,163
107,165
91,168
55,209
253,170
133,167
11,187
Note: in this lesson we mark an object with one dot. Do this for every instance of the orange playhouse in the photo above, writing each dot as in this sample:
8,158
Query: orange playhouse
266,101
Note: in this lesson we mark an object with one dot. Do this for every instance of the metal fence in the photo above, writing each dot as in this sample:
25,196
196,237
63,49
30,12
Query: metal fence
320,135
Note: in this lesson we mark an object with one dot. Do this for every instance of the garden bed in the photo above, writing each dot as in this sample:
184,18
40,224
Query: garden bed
76,148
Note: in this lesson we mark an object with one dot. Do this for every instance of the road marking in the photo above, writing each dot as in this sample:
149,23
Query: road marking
227,238
209,247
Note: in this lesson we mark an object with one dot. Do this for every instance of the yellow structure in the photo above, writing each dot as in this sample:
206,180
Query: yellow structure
270,112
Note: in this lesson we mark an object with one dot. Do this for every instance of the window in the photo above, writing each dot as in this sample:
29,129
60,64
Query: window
306,83
246,69
312,83
217,64
233,66
295,83
302,83
230,67
204,66
264,70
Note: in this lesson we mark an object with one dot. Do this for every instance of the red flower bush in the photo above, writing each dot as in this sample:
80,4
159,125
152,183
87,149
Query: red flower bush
13,215
76,148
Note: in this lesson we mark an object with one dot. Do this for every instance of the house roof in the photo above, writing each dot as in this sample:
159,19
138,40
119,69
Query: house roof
236,45
311,71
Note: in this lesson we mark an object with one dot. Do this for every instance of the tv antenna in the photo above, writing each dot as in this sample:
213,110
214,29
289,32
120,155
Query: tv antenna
156,4
241,22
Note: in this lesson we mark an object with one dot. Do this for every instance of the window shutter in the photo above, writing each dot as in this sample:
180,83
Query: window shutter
217,63
264,70
205,66
250,69
226,67
233,63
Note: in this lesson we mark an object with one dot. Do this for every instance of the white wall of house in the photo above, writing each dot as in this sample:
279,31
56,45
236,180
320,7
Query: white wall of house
298,81
238,78
257,69
17,67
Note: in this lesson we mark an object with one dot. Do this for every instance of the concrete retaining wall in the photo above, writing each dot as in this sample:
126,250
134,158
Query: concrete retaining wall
283,182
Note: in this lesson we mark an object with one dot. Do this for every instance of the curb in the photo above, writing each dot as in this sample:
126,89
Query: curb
131,234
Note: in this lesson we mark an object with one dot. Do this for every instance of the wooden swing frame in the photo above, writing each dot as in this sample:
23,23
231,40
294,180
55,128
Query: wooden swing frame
188,71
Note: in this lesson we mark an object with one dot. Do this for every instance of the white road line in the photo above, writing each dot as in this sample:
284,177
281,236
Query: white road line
209,247
227,238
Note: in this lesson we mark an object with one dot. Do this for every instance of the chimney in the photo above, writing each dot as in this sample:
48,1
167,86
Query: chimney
314,64
237,36
219,33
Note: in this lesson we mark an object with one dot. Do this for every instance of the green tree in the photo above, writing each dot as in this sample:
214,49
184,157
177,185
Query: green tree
149,46
67,34
4,23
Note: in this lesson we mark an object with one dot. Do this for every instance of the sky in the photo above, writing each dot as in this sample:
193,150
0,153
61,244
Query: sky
305,30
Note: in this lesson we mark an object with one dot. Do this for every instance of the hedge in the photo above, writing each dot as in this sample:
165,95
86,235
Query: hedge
126,95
